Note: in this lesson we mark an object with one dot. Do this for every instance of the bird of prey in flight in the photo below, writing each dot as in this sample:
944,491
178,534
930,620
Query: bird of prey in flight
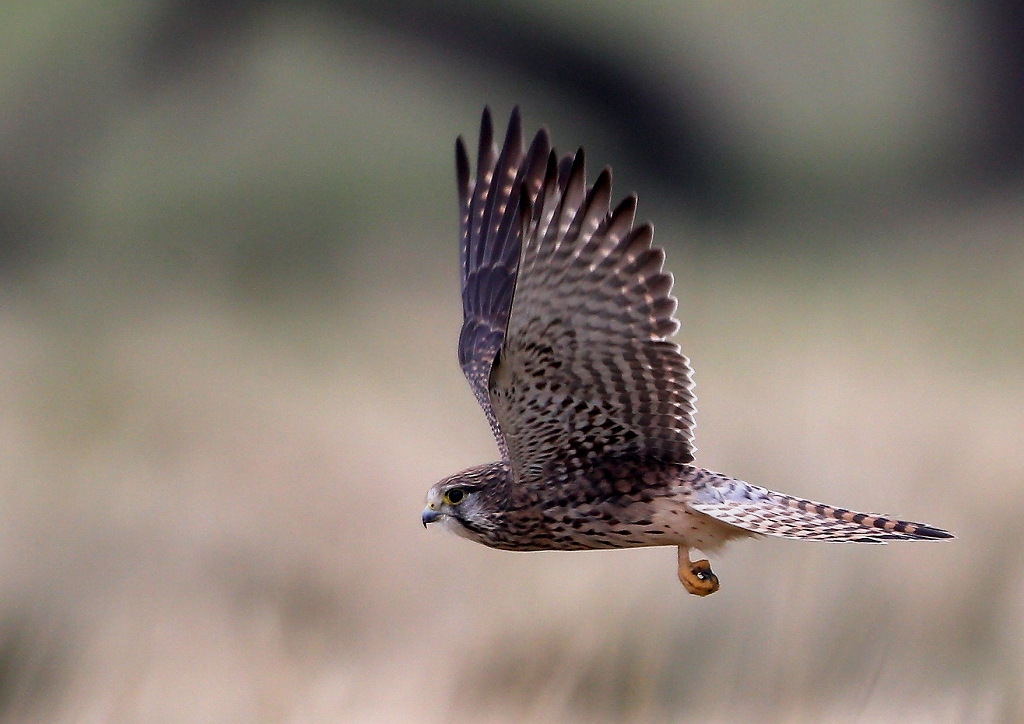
565,343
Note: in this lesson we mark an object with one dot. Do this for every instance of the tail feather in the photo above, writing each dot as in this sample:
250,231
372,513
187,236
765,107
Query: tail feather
764,511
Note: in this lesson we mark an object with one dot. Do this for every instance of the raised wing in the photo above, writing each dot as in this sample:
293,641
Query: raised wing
490,227
585,371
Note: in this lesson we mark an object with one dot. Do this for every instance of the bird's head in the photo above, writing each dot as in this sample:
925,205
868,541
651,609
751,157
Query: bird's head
464,503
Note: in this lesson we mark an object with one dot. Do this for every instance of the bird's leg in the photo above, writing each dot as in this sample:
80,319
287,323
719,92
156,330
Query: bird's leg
696,577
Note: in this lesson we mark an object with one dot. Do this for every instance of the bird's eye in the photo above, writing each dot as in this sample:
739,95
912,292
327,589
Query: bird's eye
454,496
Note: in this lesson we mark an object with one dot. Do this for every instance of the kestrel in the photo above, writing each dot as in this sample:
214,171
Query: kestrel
567,317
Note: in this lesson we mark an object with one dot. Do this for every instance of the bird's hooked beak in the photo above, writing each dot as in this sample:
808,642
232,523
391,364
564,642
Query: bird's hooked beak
430,514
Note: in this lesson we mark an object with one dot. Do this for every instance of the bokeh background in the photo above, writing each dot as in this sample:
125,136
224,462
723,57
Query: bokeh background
228,314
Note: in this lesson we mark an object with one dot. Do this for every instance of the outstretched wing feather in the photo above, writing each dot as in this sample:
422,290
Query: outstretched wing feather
490,245
586,370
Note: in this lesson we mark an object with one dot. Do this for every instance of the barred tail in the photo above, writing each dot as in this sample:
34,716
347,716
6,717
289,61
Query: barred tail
764,511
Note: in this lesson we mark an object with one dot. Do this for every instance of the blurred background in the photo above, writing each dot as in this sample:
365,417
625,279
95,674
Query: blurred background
228,316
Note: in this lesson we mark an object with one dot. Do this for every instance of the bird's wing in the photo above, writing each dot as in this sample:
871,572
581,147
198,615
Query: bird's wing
490,244
586,370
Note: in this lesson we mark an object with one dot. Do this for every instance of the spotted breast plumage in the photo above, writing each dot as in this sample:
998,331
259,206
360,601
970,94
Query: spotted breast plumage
565,343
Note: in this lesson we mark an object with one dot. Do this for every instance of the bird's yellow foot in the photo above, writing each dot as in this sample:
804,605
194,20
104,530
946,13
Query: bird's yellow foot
697,577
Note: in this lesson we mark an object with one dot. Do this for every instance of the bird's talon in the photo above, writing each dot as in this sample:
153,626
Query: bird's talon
698,578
